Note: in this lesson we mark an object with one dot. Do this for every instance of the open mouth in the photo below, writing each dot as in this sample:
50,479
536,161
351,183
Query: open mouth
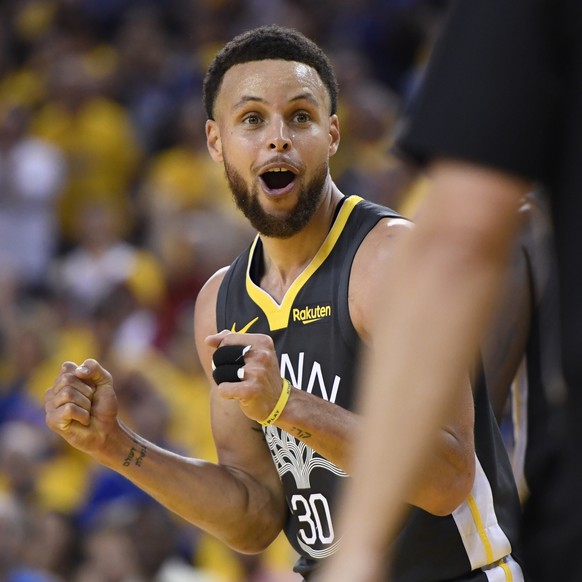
278,180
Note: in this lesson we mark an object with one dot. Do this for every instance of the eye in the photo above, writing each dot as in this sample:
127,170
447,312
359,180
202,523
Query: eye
302,117
252,119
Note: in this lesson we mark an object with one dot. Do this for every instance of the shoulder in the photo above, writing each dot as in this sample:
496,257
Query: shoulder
536,240
536,222
205,307
379,243
210,288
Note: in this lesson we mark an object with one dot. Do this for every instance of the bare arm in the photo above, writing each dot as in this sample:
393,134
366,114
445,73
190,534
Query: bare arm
325,427
239,500
438,305
506,341
448,473
330,429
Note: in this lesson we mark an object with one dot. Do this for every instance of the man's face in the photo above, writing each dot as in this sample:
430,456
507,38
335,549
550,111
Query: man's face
274,133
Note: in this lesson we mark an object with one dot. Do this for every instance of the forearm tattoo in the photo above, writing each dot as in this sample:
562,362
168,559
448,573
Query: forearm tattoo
300,433
136,455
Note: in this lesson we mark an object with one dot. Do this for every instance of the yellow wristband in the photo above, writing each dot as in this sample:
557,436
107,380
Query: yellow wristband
276,412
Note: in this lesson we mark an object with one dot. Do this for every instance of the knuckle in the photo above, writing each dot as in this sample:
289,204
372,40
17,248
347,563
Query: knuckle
68,409
251,388
68,366
68,378
262,357
270,344
67,393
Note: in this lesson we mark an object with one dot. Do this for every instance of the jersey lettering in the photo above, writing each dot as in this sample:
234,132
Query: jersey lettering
316,379
314,513
311,314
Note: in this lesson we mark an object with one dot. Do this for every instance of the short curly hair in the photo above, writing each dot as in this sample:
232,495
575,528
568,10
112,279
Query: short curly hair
268,42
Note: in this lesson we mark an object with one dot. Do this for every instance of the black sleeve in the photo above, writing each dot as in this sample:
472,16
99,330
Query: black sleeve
490,92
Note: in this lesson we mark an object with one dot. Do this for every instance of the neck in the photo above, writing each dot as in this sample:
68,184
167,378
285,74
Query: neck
286,259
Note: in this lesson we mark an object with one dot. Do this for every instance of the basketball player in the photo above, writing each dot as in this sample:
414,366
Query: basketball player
279,332
524,377
498,113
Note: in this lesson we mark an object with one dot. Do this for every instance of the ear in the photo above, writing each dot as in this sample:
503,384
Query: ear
213,141
334,134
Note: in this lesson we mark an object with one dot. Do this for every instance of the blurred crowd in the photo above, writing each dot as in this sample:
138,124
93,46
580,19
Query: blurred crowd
112,215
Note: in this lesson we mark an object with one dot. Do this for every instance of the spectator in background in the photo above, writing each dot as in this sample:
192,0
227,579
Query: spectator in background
54,544
14,532
371,114
96,136
102,259
137,542
151,78
107,552
26,339
24,448
32,175
181,179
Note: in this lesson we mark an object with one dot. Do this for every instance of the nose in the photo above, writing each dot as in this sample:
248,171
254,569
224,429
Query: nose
279,137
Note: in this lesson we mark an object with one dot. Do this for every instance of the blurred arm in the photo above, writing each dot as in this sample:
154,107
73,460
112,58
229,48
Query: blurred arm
437,300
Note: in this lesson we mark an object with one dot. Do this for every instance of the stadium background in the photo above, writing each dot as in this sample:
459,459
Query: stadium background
112,215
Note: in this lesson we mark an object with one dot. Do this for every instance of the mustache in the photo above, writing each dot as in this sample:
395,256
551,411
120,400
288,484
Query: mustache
278,160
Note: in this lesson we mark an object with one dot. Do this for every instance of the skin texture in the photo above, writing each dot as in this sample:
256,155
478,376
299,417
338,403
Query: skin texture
268,114
455,260
528,277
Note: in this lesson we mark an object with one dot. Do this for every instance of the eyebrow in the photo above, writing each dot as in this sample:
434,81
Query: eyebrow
307,96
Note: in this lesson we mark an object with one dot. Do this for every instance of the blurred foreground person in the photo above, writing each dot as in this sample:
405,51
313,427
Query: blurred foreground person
499,112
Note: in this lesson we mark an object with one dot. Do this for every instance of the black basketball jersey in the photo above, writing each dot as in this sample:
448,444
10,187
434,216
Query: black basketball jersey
317,347
538,391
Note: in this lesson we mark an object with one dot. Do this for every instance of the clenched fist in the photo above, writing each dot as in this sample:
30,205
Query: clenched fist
81,406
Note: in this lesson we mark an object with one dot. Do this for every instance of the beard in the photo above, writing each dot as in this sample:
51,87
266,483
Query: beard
247,201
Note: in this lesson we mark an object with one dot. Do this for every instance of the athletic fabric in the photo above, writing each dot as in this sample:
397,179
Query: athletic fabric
318,346
504,89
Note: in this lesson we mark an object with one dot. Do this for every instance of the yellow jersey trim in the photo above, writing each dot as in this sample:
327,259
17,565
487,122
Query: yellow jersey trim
507,571
473,507
278,314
